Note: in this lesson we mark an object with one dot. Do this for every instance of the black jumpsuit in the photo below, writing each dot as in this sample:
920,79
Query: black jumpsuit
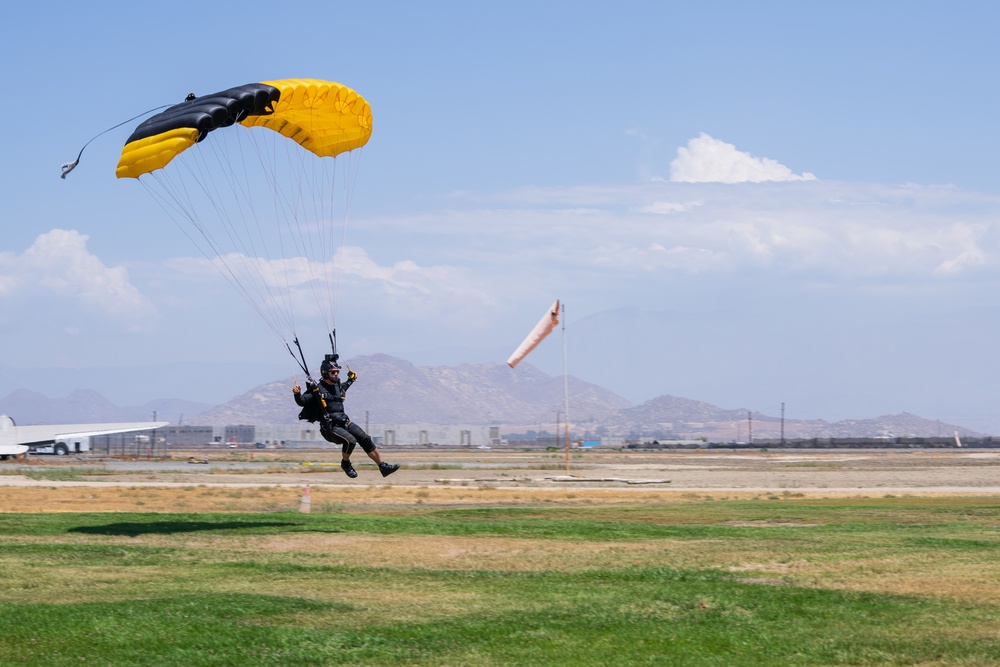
335,425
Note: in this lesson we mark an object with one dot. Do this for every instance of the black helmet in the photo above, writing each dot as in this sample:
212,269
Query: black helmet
329,361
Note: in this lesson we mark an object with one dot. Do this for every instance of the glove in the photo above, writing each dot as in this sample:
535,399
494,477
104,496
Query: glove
351,375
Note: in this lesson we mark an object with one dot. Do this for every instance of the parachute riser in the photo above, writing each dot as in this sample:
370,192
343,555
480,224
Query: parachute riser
301,359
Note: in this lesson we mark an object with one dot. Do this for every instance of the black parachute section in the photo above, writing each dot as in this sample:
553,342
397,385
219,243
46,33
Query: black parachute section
211,112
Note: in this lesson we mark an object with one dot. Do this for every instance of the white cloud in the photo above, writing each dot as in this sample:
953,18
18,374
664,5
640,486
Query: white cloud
825,229
967,253
968,259
404,285
668,207
708,160
58,265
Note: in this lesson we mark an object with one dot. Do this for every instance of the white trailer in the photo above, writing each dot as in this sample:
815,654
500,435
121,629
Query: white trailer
74,445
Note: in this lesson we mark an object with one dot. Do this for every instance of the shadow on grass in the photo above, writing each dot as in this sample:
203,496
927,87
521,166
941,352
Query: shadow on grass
170,527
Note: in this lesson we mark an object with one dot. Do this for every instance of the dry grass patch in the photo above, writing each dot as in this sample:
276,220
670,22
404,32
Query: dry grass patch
250,498
964,578
769,524
420,552
71,584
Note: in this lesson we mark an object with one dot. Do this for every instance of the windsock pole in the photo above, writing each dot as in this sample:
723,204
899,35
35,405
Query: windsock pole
565,384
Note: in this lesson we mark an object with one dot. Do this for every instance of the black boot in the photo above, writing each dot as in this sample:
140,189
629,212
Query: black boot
349,469
387,468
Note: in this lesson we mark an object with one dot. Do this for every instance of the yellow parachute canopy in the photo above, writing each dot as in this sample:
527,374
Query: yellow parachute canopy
323,117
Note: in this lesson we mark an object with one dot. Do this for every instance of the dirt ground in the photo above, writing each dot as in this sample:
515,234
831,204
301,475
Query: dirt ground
272,480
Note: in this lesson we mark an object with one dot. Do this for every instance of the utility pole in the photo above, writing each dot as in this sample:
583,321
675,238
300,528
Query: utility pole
750,427
782,422
152,441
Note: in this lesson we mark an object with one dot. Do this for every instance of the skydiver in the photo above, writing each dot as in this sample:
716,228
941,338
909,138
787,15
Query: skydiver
324,402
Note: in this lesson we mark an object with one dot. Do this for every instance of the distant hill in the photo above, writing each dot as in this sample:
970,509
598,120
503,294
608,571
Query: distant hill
121,384
391,390
683,418
85,405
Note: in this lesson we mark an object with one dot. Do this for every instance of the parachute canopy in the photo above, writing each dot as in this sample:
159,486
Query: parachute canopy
323,117
544,327
260,178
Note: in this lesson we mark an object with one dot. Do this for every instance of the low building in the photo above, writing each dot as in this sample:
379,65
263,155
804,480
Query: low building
388,435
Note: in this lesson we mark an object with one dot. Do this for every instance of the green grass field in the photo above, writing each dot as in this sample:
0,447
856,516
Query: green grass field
784,581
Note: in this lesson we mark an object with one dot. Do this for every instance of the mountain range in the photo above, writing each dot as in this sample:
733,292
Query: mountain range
392,390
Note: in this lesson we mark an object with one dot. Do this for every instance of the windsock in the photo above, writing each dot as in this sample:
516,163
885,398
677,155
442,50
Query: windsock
537,335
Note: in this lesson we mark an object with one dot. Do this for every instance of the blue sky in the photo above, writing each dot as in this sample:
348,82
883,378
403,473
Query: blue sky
743,203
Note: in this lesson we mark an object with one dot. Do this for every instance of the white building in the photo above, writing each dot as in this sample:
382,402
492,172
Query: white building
452,435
